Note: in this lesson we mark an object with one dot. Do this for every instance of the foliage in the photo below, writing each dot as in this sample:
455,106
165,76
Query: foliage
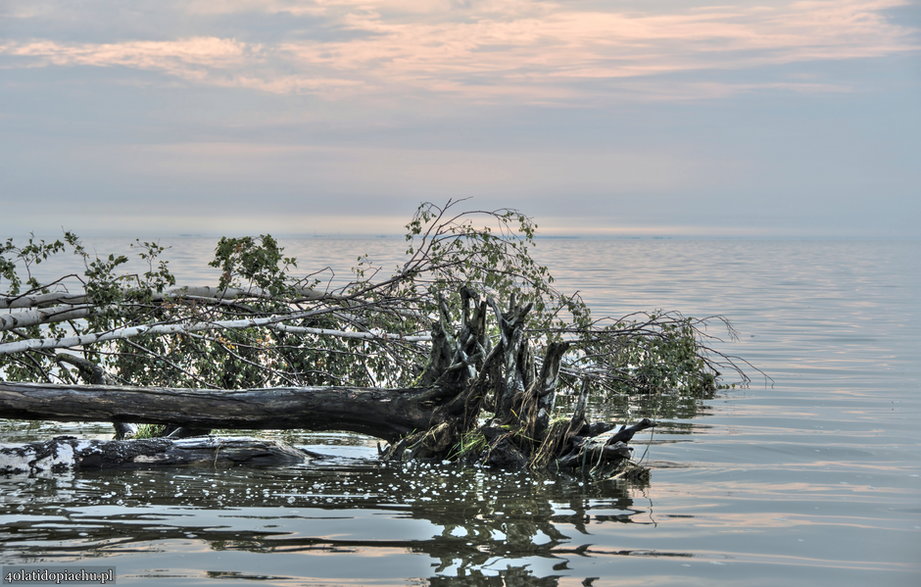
264,324
447,251
243,262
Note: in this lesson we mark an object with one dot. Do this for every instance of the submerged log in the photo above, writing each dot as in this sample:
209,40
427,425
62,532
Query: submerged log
68,453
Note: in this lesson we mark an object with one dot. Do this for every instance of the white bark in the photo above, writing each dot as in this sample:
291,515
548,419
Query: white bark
354,335
155,329
50,315
201,292
38,300
275,322
33,309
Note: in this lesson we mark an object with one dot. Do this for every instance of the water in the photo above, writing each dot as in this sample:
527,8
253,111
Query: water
814,480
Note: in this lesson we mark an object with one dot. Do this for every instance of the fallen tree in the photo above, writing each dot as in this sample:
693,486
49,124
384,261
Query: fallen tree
438,420
425,359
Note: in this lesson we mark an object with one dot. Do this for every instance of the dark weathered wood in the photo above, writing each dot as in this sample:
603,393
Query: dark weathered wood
93,374
384,413
67,453
625,434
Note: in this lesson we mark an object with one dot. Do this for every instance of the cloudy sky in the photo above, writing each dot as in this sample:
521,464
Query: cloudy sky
727,117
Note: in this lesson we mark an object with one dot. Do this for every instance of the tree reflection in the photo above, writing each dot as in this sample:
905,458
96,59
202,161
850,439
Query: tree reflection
484,525
656,406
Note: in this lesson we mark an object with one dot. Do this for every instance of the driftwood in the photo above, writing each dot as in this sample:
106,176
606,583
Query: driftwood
384,413
601,447
479,400
68,453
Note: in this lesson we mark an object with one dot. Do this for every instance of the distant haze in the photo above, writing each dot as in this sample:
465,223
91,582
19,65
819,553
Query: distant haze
152,118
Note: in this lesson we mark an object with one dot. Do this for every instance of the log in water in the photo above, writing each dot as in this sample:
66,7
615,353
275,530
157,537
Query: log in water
67,453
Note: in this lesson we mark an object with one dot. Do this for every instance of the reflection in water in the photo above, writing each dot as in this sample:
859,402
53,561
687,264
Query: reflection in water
470,522
654,406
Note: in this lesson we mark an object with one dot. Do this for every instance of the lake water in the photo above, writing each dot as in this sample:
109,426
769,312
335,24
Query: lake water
814,480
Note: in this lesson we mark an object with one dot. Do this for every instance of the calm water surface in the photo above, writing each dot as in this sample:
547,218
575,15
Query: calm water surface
815,480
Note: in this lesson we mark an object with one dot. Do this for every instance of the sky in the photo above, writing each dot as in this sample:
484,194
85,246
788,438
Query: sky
632,117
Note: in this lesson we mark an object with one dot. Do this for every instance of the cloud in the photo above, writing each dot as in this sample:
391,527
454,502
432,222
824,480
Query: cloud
493,51
192,58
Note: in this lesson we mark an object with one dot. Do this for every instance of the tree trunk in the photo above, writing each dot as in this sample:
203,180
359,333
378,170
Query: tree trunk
388,414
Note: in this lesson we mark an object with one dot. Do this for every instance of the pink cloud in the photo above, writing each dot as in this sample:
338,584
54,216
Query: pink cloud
502,49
